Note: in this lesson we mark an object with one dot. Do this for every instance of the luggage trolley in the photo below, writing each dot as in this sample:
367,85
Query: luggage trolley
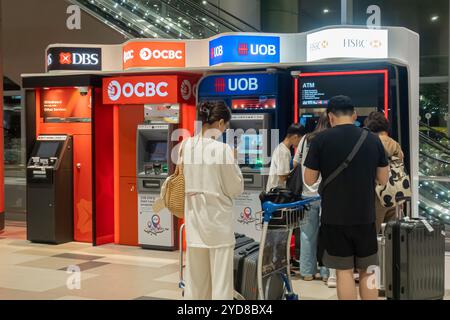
278,223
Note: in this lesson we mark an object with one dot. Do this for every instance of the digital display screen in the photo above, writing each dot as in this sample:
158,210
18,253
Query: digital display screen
156,151
250,144
365,90
47,149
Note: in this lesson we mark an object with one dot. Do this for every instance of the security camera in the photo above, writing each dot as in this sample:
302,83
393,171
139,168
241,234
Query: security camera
83,90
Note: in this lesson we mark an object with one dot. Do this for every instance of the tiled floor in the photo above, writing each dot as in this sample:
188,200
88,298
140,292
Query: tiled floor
35,271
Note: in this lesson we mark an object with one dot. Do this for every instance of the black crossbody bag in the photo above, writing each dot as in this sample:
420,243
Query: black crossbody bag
346,163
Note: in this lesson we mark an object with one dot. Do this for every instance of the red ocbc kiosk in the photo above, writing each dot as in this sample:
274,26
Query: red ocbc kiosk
133,99
96,120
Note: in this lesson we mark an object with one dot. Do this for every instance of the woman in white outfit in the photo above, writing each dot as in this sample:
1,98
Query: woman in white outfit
213,179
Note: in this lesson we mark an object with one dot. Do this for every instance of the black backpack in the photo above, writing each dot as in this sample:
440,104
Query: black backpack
294,181
278,195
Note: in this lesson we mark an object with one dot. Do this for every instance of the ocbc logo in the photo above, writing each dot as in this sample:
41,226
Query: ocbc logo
147,54
140,90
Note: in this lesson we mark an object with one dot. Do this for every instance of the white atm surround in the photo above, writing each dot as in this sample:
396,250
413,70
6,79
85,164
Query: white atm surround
403,50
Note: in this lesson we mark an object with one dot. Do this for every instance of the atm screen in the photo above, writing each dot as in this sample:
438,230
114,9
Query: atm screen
365,90
250,144
156,151
47,149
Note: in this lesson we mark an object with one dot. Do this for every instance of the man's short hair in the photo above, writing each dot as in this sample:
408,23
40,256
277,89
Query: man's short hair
296,129
341,106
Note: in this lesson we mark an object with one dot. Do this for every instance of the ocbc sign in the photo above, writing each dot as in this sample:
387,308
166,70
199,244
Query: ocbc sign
154,54
139,90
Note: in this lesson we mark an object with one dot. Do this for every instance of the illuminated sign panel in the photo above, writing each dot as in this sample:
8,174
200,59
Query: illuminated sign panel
244,49
164,54
238,85
347,43
74,59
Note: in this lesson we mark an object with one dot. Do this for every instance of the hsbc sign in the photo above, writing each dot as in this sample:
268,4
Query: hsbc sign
164,54
140,90
65,58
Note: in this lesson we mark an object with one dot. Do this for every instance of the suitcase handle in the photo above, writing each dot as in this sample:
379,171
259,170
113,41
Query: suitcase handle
401,200
249,249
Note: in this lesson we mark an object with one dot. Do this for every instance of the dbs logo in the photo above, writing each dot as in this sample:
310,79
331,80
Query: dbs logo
65,58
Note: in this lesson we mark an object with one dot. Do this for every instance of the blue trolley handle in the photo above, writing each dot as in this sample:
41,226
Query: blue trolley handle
270,207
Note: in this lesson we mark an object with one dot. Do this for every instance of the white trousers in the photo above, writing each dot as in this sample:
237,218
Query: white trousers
209,273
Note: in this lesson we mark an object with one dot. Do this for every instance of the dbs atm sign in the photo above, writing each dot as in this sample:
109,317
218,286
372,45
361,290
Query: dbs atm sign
163,54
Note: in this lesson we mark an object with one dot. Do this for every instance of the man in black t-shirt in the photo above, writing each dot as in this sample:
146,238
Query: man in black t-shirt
348,237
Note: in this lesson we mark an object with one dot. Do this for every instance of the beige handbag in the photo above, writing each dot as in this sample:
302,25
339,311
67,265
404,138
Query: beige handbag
173,193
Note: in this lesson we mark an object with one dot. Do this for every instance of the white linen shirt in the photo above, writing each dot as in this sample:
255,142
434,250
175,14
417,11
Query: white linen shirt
212,181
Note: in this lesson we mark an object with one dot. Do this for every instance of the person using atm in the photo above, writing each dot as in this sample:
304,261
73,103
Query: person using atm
347,236
212,180
280,165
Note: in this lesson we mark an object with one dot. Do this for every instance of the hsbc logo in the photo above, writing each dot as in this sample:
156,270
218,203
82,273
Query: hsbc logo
244,49
236,84
116,90
68,58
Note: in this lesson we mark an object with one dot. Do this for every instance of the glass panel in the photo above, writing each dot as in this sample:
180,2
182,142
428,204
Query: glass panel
434,106
428,18
317,14
15,184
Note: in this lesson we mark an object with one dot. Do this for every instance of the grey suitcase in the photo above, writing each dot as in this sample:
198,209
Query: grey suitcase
273,284
240,254
415,260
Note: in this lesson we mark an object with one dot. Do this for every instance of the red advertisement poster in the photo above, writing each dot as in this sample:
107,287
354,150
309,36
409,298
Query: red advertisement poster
66,105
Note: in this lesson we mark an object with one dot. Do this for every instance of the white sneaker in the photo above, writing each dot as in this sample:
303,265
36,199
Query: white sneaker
331,282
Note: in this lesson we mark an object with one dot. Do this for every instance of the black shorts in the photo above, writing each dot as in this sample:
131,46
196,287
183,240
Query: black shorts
348,247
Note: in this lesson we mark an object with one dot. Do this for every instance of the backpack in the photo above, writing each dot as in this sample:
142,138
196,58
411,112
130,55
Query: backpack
279,195
399,184
294,181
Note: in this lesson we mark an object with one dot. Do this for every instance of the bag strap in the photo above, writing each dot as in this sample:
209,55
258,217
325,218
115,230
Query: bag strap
347,161
302,149
179,168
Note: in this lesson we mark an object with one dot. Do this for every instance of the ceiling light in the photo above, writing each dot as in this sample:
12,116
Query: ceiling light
434,18
325,11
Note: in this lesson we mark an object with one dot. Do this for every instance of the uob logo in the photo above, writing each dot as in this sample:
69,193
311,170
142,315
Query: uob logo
257,49
236,84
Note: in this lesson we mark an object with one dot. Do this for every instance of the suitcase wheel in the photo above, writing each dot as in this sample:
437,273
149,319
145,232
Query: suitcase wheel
291,296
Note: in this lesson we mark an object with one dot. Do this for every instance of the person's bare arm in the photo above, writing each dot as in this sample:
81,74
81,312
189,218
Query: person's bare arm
283,179
382,175
311,176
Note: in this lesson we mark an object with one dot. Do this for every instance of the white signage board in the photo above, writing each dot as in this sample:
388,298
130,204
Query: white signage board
246,219
347,43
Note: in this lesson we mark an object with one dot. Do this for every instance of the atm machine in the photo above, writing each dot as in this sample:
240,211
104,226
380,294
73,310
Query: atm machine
260,102
155,230
371,86
50,190
367,89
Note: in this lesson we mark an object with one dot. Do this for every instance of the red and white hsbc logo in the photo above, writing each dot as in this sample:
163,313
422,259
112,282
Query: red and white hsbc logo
154,54
140,90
